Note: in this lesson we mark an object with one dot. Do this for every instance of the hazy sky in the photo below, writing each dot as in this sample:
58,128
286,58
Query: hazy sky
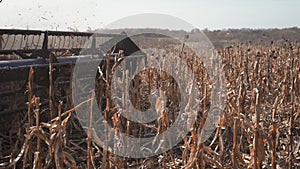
212,14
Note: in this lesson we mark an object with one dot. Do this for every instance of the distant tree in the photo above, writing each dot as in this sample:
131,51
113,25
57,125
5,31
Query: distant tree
196,30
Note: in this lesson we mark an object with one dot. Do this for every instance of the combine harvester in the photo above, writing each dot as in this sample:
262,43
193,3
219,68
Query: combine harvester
22,49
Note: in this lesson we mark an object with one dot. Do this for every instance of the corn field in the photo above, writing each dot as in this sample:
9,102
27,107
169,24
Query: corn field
259,126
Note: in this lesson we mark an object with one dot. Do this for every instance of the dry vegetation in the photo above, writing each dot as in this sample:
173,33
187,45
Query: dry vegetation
259,127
